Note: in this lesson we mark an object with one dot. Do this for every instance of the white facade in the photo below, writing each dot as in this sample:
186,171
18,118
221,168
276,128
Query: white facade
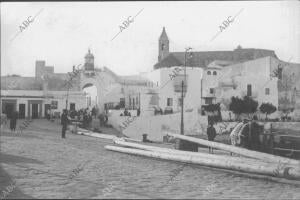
25,99
169,95
210,82
252,78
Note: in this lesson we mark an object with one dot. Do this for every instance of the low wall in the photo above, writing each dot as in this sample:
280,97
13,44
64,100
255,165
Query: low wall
194,124
289,128
154,126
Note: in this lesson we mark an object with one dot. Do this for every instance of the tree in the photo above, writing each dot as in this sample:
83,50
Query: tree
267,108
286,106
236,105
213,108
246,105
249,105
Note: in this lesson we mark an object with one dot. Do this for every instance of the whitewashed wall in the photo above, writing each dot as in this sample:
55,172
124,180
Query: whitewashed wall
255,72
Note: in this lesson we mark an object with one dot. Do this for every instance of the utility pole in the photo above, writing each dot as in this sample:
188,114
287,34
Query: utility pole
69,84
182,92
140,101
67,96
182,123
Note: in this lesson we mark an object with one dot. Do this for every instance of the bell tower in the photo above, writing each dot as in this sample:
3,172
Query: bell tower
163,45
89,61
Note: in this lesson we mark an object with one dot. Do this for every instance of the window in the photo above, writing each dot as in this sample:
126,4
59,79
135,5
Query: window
169,102
54,104
122,102
214,73
211,90
267,91
208,73
162,46
89,101
72,106
249,90
208,100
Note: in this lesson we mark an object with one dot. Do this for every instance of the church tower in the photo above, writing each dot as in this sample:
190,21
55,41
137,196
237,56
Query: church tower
89,61
163,45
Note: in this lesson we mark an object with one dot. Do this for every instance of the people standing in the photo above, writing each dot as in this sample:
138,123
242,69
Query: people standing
125,112
85,119
48,114
211,134
244,134
138,112
94,112
13,121
234,135
101,119
64,121
255,130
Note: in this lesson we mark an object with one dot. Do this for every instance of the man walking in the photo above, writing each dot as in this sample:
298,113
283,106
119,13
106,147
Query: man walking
64,121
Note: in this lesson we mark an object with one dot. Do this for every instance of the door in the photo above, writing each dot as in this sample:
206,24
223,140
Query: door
249,90
35,110
9,108
47,107
133,107
72,106
22,111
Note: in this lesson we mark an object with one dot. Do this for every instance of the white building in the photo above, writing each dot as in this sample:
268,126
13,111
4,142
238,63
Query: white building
255,78
33,96
216,76
169,86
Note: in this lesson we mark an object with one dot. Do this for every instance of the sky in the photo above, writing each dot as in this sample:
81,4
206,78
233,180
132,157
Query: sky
62,32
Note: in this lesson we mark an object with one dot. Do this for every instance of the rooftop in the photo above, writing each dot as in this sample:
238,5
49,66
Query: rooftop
203,58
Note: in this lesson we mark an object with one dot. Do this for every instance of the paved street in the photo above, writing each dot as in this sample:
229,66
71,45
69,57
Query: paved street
39,164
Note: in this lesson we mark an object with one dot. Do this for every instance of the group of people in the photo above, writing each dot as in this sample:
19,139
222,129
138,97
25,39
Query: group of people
245,134
125,113
12,122
103,119
83,115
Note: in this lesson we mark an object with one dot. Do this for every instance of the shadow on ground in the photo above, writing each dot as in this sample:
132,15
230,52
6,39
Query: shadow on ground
9,188
12,159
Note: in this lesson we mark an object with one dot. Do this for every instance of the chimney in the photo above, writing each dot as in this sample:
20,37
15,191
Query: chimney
73,68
